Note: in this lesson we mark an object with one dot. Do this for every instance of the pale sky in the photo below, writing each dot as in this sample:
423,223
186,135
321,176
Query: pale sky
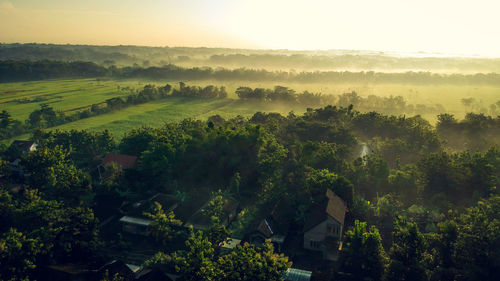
455,27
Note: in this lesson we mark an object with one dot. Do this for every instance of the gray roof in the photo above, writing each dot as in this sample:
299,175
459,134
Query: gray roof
134,220
294,274
24,145
231,243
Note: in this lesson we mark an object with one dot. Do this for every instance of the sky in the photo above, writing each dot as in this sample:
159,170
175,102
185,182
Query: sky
450,27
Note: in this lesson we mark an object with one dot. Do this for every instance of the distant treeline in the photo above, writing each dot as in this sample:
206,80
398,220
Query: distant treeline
284,94
474,132
235,58
11,71
353,61
388,105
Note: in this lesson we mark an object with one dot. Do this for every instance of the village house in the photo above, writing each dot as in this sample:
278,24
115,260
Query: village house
324,226
201,221
134,220
154,275
229,245
122,160
127,272
20,148
274,227
24,146
295,274
87,272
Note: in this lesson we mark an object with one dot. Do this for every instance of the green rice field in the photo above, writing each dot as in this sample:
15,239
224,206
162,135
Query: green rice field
21,98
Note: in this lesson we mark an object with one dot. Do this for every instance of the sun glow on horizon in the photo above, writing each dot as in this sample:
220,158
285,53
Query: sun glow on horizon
446,27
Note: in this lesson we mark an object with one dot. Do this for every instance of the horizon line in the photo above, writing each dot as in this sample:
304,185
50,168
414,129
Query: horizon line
388,53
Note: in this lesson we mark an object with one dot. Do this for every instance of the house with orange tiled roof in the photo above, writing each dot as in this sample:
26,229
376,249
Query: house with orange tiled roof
121,160
124,161
324,226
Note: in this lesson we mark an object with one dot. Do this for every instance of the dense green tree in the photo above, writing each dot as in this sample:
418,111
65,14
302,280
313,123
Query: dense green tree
442,249
44,117
85,148
407,253
215,206
249,262
317,182
476,132
465,246
160,260
403,182
476,248
5,119
363,257
200,261
196,262
323,155
52,172
439,175
17,255
67,233
164,224
362,209
40,232
216,232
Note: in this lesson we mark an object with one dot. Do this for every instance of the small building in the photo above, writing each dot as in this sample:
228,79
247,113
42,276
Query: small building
64,272
116,267
86,272
24,146
230,244
124,161
134,220
19,148
155,275
324,226
294,274
201,221
274,227
136,225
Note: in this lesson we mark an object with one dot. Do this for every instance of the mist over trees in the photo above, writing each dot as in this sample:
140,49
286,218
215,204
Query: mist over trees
237,58
11,71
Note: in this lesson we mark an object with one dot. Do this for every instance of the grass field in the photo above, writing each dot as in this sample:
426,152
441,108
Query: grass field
157,113
20,99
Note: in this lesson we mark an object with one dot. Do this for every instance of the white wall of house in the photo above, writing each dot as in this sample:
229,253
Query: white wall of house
313,238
